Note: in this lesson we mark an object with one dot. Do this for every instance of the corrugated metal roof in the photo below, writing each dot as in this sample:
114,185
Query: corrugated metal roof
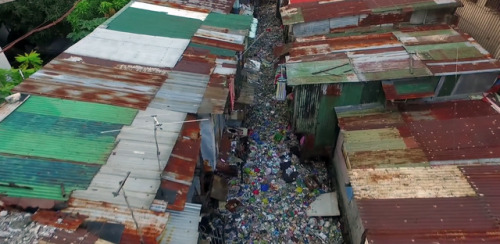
72,79
155,51
182,226
310,11
232,22
178,174
154,23
456,130
170,11
136,152
219,6
427,220
63,129
411,182
408,53
46,179
485,179
182,92
151,224
215,97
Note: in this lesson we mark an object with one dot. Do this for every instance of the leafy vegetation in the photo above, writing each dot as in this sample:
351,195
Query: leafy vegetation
29,63
89,14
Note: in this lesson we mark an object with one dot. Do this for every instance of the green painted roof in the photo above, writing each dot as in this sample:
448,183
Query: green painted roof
140,21
214,50
329,71
63,130
229,21
445,51
36,178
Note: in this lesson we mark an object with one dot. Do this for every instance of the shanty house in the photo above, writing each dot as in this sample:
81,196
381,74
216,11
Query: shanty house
425,62
419,172
313,17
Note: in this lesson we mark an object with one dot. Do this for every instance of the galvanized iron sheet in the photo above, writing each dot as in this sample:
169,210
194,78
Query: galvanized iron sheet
181,92
182,226
136,152
145,50
86,82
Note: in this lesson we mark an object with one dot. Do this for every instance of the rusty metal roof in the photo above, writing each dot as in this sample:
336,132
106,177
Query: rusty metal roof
428,220
454,130
151,224
401,165
182,226
218,6
76,80
310,11
177,176
410,52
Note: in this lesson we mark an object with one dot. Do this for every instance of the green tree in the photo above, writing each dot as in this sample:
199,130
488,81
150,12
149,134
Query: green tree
22,16
29,63
89,14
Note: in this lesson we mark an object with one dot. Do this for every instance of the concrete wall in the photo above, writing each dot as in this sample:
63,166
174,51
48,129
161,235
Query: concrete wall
348,208
482,23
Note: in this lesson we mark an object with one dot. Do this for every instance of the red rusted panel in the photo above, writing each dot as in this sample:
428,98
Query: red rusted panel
485,180
380,19
461,66
29,202
316,11
333,90
58,219
182,163
434,237
391,93
196,65
217,43
79,236
93,83
421,215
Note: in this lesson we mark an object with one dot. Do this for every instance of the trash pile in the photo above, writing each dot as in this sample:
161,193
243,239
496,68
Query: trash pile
269,204
17,227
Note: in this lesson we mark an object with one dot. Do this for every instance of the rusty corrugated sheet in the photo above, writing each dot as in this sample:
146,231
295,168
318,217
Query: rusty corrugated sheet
178,175
427,220
218,6
151,224
485,179
86,82
58,219
79,236
458,130
215,97
218,43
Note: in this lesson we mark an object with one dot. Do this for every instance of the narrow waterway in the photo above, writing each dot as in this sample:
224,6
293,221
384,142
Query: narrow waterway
271,203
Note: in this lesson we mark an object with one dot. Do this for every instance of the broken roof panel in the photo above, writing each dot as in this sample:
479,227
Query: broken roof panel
218,6
75,80
136,152
154,51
